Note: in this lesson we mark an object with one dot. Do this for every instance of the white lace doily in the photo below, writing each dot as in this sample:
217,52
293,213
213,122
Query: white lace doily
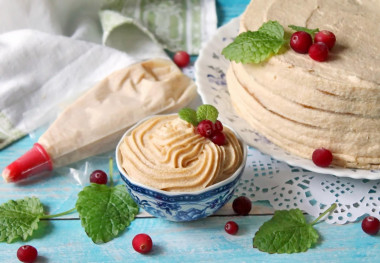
284,184
287,187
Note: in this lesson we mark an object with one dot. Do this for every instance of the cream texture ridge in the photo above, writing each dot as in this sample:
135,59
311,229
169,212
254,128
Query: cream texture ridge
165,153
301,104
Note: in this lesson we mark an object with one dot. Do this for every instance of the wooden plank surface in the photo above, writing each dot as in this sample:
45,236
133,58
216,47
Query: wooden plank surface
205,240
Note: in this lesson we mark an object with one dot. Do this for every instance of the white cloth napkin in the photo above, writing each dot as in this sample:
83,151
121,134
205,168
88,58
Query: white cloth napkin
51,51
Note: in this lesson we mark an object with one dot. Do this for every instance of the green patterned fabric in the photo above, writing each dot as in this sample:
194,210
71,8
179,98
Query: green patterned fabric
175,24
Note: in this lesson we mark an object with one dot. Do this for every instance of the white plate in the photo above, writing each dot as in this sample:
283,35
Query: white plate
210,69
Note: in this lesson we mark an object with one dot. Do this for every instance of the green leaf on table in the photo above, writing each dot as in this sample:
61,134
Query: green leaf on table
105,211
312,32
286,232
207,112
188,115
256,46
19,218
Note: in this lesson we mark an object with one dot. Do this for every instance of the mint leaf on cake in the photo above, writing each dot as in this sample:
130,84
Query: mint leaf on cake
312,32
256,46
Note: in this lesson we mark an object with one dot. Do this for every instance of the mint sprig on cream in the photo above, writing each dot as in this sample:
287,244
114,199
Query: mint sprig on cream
203,112
256,46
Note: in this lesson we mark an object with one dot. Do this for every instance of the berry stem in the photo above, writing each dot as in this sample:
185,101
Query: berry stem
58,215
111,171
331,208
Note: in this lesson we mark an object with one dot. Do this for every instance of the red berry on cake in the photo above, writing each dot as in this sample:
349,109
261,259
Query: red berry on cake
319,51
326,37
322,157
301,41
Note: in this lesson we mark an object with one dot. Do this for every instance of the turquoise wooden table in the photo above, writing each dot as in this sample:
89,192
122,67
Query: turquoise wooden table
64,240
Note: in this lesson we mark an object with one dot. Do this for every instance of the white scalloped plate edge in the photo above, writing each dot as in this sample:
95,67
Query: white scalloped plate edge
207,52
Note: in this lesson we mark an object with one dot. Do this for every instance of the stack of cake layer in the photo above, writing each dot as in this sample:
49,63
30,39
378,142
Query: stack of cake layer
301,104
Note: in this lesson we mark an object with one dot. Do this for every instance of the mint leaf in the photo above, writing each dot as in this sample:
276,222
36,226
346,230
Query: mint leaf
286,232
307,30
207,112
273,28
19,218
256,46
105,211
188,115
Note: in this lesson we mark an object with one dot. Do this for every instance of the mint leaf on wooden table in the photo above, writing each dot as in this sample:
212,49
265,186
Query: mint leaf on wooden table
105,211
287,232
312,32
19,218
256,46
188,115
207,112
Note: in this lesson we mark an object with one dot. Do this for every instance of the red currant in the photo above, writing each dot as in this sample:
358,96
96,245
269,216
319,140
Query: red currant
371,225
181,58
27,254
326,37
319,51
205,128
98,177
242,205
300,42
231,227
142,243
218,138
322,157
218,126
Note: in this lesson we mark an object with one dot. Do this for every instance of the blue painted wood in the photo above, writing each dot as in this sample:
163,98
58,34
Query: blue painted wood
200,241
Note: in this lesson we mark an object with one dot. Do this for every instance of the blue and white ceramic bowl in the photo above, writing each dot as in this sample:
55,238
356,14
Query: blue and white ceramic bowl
181,206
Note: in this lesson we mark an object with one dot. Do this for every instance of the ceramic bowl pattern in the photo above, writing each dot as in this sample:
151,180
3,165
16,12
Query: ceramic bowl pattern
181,206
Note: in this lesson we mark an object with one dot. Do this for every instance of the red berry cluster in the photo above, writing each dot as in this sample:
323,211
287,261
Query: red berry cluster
302,42
213,131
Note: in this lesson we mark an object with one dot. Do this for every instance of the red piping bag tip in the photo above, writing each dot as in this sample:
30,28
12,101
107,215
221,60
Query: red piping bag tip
33,162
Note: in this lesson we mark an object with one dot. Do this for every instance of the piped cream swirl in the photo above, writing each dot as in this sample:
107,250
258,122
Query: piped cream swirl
165,153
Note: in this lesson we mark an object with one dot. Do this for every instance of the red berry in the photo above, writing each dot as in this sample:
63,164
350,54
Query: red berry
326,37
98,177
242,205
27,254
181,58
217,127
218,138
142,243
300,42
322,157
319,51
231,227
371,225
205,128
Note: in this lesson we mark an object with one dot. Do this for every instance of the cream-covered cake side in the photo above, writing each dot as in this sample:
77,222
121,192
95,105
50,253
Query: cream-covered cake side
301,104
